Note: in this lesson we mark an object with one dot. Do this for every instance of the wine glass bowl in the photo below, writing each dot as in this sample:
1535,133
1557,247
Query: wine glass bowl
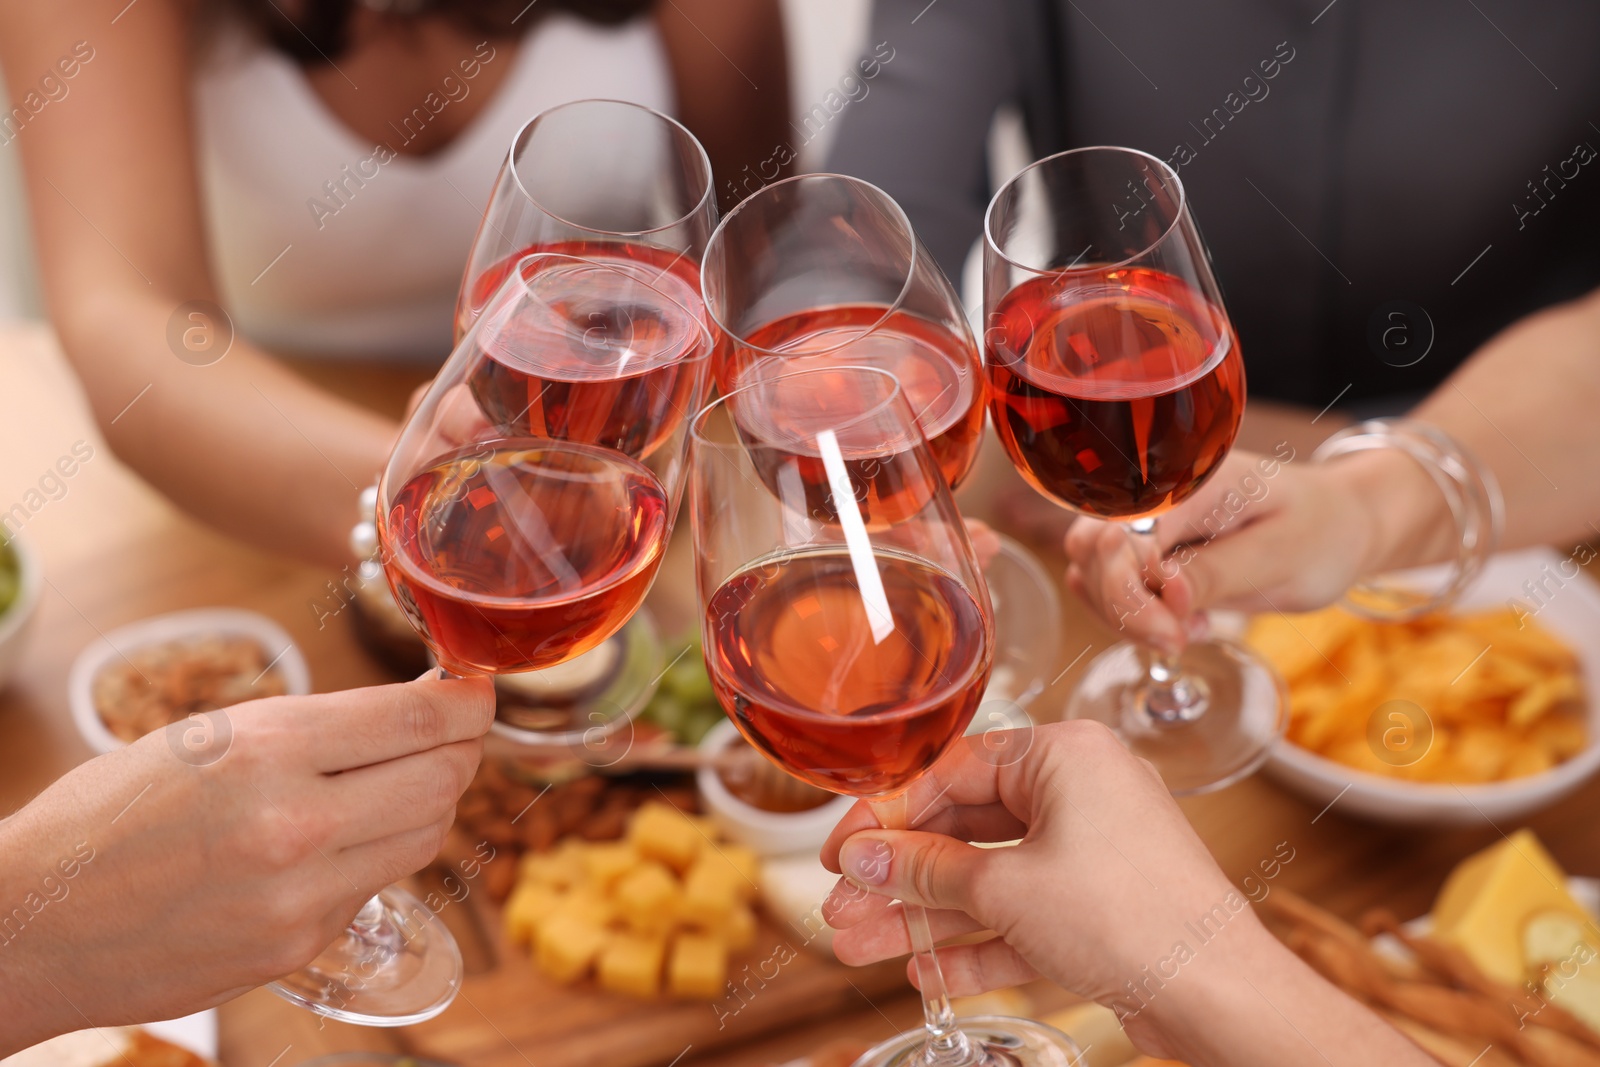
526,506
1117,388
824,269
853,653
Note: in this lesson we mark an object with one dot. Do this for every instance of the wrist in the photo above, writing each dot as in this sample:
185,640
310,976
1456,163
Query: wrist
1407,521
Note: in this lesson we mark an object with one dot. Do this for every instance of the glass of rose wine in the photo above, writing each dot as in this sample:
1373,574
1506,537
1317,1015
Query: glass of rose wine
823,269
1116,387
517,539
846,624
615,182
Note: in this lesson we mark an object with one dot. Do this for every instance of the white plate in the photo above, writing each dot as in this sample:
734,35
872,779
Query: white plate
201,622
1572,613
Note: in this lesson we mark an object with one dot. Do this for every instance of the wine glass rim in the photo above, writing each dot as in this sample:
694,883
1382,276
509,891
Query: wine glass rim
700,153
697,425
1167,171
889,309
701,351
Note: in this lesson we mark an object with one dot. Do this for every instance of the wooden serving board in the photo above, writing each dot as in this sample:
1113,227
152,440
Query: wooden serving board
510,1015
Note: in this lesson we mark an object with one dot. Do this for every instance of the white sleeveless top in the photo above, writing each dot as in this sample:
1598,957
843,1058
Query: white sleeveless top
370,267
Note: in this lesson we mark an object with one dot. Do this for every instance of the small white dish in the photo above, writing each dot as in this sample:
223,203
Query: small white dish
282,653
18,616
766,833
1571,611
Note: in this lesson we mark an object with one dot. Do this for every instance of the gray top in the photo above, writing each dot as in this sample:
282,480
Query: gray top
1339,156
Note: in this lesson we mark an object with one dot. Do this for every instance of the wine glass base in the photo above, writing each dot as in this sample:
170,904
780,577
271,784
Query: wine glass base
1245,712
998,1041
394,965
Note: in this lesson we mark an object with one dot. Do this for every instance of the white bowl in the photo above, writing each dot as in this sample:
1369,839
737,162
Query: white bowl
766,833
1572,613
16,619
159,629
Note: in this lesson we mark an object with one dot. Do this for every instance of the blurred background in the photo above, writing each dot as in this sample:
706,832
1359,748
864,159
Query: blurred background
825,37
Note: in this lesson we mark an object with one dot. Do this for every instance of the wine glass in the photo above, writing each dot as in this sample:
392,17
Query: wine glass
824,268
617,182
521,519
1116,386
846,624
603,179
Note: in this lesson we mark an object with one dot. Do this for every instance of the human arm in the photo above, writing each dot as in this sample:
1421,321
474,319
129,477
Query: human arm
731,72
114,194
1521,406
161,879
1101,896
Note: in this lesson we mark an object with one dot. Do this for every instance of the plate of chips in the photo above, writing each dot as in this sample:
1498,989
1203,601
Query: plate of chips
1486,711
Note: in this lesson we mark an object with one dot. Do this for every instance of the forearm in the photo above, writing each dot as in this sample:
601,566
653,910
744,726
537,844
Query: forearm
1263,1007
1522,407
242,444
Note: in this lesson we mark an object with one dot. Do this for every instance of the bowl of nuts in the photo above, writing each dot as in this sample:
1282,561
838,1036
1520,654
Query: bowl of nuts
152,673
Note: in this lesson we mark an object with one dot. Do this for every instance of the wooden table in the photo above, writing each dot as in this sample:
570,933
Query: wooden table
114,551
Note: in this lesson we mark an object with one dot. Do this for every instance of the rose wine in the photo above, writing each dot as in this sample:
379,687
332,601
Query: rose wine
1116,392
856,690
594,356
794,430
938,369
521,554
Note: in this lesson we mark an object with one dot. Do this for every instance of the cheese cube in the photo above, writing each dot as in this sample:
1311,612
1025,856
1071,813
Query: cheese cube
560,869
661,832
709,892
606,864
1489,898
647,898
567,946
740,930
698,966
735,865
585,906
530,905
632,964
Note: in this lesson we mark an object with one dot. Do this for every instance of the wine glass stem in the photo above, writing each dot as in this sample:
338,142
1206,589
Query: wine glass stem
947,1045
1168,697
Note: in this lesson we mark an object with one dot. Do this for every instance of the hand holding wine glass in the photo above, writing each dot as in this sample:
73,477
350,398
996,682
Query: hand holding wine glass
1108,878
1117,388
847,628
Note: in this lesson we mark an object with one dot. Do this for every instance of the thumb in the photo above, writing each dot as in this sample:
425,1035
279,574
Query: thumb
918,868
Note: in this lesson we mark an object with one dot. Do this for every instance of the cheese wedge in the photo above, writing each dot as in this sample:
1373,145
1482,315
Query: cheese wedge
1488,899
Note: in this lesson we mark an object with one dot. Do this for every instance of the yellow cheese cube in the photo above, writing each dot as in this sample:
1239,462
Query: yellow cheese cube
1489,898
605,864
736,865
662,832
698,966
530,905
584,905
647,898
560,869
709,893
567,946
632,964
740,931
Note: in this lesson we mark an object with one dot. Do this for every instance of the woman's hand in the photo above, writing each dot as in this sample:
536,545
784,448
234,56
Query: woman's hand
1264,534
1104,895
168,876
